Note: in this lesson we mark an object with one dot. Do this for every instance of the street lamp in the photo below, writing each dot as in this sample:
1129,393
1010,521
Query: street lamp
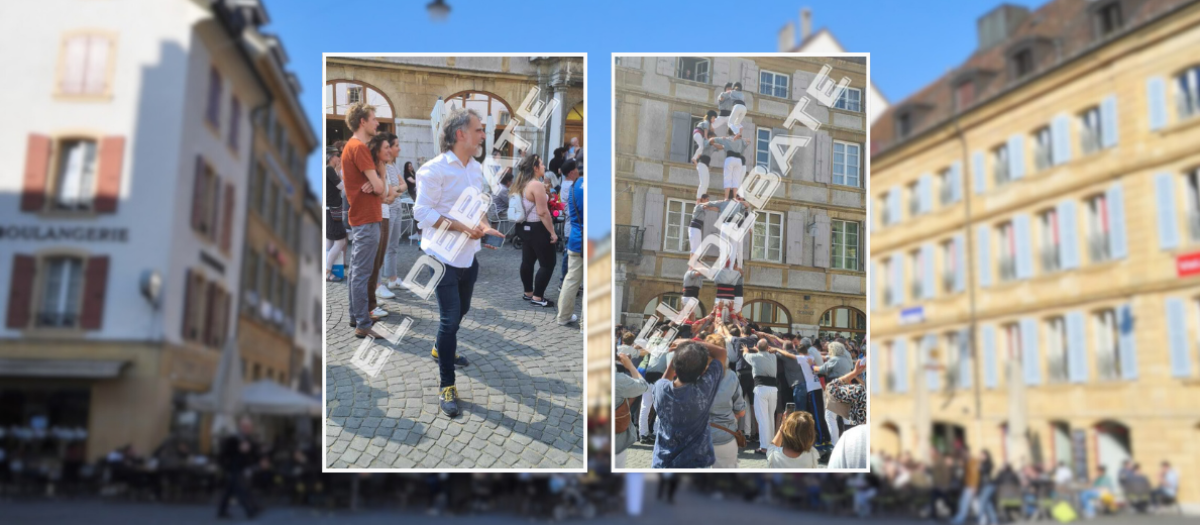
438,10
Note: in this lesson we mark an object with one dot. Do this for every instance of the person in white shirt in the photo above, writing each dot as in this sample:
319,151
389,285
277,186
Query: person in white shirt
793,443
1062,475
442,180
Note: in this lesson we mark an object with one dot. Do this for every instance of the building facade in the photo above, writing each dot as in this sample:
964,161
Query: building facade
404,91
274,316
1033,290
122,235
804,269
600,349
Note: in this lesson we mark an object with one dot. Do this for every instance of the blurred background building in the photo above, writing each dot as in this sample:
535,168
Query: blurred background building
404,91
1035,232
142,128
600,350
804,269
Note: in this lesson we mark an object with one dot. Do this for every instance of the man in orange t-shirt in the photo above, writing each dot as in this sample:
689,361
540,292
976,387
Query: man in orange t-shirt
364,190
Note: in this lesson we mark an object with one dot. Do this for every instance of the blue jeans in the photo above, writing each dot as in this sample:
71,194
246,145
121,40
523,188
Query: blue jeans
800,397
1087,500
454,301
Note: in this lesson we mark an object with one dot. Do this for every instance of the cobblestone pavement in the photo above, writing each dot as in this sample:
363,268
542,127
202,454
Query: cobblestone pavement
521,396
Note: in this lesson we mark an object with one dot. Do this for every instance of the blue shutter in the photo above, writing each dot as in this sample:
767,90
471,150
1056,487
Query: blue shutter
980,177
1177,338
1168,222
872,280
1116,219
925,187
1076,348
893,205
901,365
1024,243
956,181
964,358
1108,122
1060,136
1068,235
987,338
1156,99
874,372
960,274
932,378
1125,344
1030,358
984,260
898,279
1016,156
929,287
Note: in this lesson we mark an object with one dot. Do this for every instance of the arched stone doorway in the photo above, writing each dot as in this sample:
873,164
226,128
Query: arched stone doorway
948,437
845,321
889,439
341,94
1114,445
487,104
768,313
675,301
574,124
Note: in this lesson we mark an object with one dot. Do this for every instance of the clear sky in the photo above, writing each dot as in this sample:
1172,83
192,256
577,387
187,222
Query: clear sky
911,44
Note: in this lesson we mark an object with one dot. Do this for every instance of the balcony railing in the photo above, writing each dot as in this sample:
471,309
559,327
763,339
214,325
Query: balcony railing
1098,247
1050,260
627,243
1008,268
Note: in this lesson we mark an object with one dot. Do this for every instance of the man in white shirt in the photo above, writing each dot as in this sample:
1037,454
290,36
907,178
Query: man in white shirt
442,180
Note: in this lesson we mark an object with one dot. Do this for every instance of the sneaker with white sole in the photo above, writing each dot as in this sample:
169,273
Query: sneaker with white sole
379,312
381,292
393,284
574,319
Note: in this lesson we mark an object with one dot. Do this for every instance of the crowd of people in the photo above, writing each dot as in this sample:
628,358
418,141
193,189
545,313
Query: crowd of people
368,195
716,389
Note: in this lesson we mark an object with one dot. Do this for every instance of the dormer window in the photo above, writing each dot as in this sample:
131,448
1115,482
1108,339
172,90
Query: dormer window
903,124
1108,19
964,94
1022,63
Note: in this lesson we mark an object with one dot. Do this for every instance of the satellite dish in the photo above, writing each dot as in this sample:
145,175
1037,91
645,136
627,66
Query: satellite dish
151,285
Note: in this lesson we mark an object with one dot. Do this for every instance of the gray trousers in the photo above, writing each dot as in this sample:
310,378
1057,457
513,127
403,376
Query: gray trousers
391,254
364,242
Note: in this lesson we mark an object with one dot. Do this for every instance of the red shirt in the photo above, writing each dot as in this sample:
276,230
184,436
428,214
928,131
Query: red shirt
365,208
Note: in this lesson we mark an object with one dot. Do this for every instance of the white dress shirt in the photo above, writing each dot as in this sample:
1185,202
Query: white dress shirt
442,180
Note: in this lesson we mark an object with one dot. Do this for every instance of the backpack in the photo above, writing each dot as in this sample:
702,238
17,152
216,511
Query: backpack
516,211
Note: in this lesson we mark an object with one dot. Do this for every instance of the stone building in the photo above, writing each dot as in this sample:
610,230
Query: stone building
404,91
1034,288
804,264
123,230
599,327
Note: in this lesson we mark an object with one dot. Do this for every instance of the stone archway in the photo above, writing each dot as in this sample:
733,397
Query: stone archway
340,94
889,439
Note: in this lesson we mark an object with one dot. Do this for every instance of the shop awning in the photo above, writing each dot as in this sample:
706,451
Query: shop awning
61,368
265,397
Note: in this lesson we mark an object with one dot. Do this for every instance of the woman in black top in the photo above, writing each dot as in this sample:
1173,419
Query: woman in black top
335,230
410,178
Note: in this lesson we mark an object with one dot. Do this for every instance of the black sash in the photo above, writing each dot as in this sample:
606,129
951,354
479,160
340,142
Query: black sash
764,381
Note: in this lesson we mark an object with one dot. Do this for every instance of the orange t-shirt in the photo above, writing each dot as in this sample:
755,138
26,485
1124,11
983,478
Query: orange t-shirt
365,208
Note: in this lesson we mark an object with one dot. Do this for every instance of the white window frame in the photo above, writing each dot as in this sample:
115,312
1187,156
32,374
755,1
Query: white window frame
1191,184
1098,217
764,218
1007,251
1187,93
759,149
885,281
1012,340
952,358
914,198
1001,174
845,104
845,164
950,264
1108,353
708,70
1056,350
64,300
1043,148
945,191
916,276
75,177
787,84
1091,133
681,243
833,258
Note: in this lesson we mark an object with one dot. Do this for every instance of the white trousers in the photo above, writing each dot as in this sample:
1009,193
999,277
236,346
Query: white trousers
726,454
733,172
765,400
694,238
747,420
644,416
735,118
831,420
702,169
737,305
720,125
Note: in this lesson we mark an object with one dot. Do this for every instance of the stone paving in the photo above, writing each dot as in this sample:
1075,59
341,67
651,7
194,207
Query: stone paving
521,396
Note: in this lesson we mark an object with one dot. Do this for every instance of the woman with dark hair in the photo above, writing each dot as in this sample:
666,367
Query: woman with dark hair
683,399
537,232
410,179
383,147
555,166
335,229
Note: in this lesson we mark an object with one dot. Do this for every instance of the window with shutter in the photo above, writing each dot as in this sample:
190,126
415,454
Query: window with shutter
845,245
1000,165
235,122
773,84
95,287
1098,229
85,65
950,264
694,69
75,182
1108,362
679,215
767,244
21,291
1187,94
1043,149
850,100
846,163
1007,241
1056,349
1091,135
212,111
62,292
